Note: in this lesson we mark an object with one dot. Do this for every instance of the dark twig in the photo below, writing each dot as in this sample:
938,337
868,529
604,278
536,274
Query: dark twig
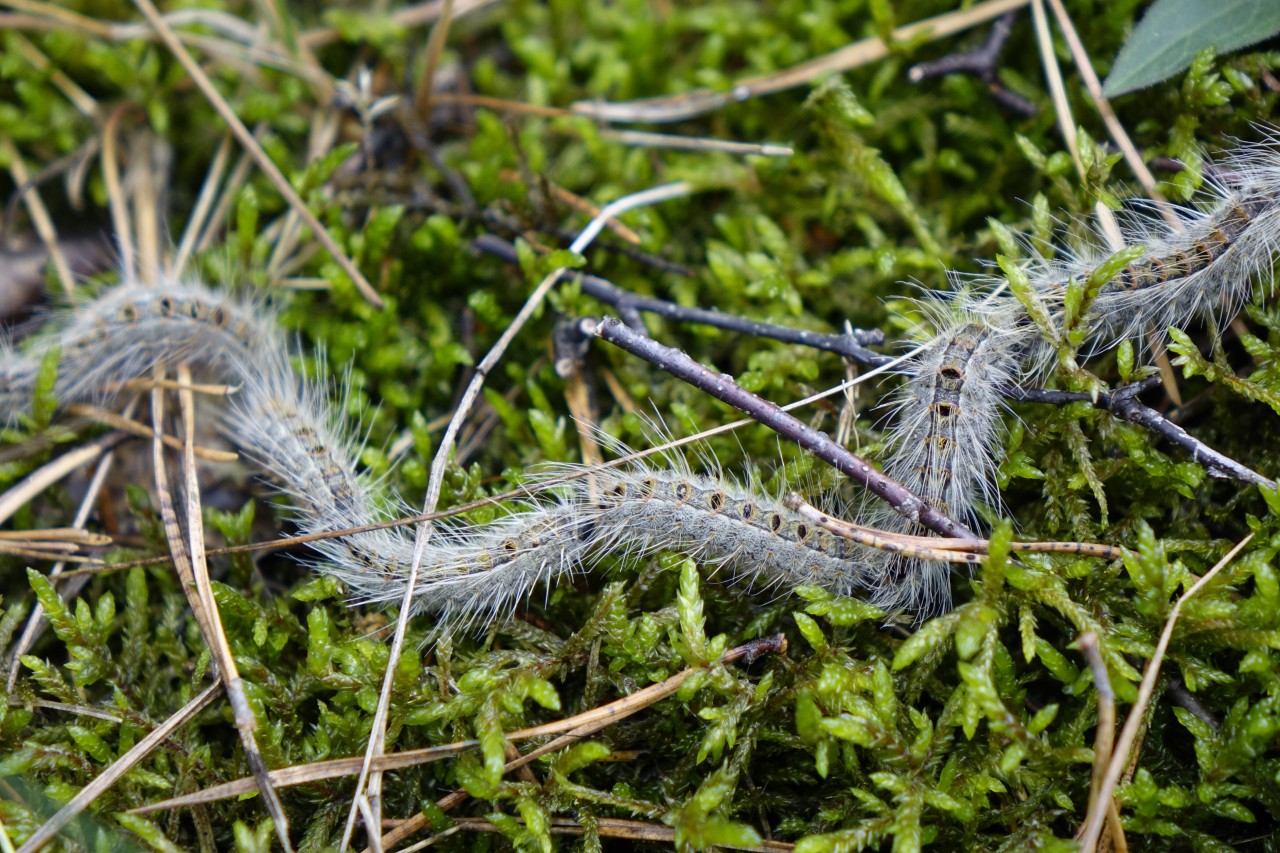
1179,693
722,387
628,305
981,63
1124,404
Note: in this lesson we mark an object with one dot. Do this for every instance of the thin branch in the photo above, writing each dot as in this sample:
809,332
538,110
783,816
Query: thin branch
851,345
982,63
1123,403
722,387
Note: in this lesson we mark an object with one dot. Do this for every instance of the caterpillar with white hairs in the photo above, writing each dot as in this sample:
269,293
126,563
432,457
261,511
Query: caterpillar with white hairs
943,437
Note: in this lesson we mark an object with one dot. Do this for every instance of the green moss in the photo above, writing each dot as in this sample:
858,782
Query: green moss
973,730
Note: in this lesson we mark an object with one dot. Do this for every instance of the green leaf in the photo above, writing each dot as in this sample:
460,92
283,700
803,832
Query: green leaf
1173,31
689,606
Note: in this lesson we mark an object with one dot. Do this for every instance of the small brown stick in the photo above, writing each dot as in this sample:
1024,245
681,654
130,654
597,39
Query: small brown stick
935,548
251,145
595,720
111,419
1104,737
86,795
1092,827
499,104
722,387
607,827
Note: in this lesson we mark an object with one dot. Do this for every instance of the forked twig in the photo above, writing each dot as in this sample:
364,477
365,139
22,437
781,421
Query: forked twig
1123,403
982,62
722,387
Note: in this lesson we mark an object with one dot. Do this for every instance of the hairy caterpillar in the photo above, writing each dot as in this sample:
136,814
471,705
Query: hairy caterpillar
944,434
1205,269
946,422
470,575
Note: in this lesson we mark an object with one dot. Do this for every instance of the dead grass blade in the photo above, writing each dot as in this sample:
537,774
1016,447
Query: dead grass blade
246,723
121,766
254,150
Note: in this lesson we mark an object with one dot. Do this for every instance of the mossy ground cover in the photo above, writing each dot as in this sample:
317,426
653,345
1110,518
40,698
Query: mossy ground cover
974,730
